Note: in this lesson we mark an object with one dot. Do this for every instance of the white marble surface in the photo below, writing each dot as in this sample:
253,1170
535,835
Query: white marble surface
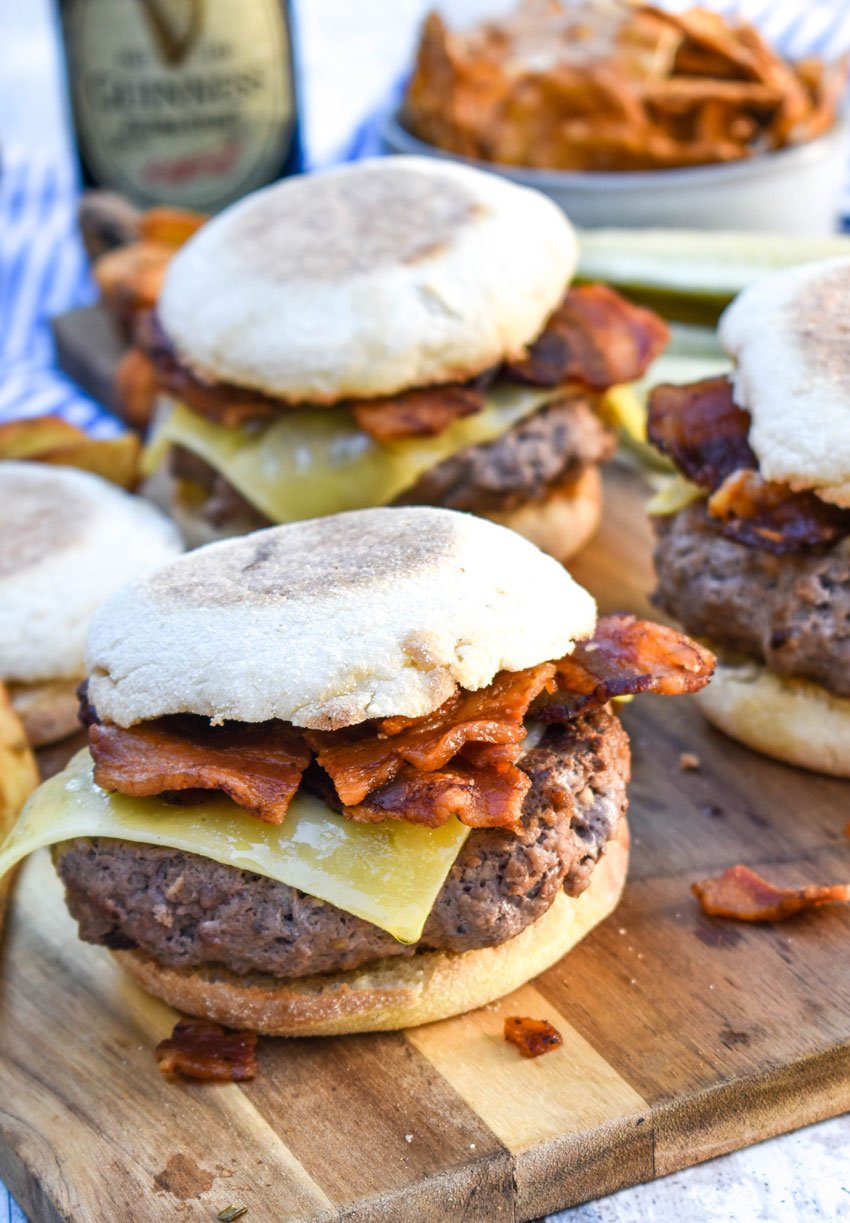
351,52
802,1177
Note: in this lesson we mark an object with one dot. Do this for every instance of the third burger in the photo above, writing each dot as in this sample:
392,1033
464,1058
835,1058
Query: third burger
753,531
397,331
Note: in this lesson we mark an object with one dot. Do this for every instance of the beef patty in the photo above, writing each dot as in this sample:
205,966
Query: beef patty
541,452
185,910
790,612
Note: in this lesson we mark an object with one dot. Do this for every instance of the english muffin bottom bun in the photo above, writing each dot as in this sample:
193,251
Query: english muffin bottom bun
753,533
407,786
792,720
395,331
69,540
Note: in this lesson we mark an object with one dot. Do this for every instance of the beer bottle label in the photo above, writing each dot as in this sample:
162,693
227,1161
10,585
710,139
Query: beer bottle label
185,102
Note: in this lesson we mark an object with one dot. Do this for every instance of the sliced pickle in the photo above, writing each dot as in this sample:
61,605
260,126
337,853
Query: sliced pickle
692,274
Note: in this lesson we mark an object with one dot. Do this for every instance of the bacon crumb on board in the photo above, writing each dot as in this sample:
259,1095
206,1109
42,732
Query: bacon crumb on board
532,1037
689,762
199,1049
741,894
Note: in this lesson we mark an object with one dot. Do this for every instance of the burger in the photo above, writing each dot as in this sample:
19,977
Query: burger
353,773
753,532
69,540
399,331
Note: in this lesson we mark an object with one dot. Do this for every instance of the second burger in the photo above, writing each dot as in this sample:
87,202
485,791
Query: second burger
397,331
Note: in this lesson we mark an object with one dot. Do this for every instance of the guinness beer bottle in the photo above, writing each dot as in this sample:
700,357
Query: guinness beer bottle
184,102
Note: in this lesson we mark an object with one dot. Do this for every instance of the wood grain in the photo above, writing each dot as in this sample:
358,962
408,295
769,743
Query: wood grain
683,1036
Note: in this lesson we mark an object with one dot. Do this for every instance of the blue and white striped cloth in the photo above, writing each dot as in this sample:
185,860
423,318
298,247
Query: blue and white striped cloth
43,271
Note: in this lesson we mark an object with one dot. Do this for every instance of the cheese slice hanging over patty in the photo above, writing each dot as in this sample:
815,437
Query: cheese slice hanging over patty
389,874
315,461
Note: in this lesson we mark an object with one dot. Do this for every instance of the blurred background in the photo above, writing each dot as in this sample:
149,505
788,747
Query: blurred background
351,54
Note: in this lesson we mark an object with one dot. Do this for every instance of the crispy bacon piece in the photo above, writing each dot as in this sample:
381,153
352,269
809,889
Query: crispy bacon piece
700,427
623,657
595,336
420,413
532,1036
704,432
459,760
200,1049
136,388
479,797
363,758
745,896
258,765
770,516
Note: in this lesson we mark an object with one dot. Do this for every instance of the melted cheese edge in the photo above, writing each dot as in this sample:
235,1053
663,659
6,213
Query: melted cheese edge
316,461
389,874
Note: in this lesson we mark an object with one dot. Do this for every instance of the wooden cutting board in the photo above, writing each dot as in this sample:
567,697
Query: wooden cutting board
684,1037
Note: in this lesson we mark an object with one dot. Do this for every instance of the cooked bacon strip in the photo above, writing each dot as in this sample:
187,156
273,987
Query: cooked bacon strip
480,798
623,657
362,759
200,1049
770,516
705,433
741,894
595,336
421,413
459,760
258,765
701,428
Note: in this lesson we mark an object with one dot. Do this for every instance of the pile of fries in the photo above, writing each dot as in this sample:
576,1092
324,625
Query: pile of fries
49,439
612,85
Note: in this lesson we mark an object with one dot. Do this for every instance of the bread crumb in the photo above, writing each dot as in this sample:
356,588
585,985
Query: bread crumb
408,1138
689,762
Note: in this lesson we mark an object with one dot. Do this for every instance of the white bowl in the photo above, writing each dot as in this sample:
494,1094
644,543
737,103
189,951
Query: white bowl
793,191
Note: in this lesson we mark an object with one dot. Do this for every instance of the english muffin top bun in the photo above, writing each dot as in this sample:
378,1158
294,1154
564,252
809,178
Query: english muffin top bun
754,533
353,284
333,621
69,539
397,331
788,336
406,786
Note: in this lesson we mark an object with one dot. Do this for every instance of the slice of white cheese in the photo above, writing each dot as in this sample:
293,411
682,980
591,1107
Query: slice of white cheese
388,873
673,493
315,461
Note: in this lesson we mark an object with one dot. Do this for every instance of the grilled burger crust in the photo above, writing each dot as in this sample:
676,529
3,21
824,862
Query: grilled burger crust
790,612
184,910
